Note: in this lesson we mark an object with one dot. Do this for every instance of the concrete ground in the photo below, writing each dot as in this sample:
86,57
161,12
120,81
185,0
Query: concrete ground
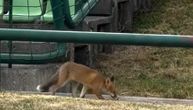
152,100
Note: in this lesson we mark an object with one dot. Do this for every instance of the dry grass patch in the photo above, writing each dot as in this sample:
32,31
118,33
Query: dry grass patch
154,71
13,101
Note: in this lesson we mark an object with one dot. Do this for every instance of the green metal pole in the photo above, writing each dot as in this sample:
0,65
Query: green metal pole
58,14
97,37
10,26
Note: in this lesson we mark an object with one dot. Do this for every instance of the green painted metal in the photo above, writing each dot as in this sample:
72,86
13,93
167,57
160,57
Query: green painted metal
1,7
37,58
58,13
48,15
25,10
10,17
73,20
72,6
13,58
10,26
97,37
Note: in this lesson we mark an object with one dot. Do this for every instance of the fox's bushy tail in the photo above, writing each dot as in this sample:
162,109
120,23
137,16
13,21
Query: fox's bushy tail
45,87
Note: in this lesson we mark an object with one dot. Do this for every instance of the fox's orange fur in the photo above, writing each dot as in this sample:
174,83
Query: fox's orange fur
90,78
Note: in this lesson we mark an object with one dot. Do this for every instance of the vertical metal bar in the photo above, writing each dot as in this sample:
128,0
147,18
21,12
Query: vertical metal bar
43,5
57,11
10,13
28,9
0,67
67,12
10,26
72,51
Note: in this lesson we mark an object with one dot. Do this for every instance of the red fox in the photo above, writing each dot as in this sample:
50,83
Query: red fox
90,78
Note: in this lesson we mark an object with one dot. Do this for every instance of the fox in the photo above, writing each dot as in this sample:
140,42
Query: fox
90,78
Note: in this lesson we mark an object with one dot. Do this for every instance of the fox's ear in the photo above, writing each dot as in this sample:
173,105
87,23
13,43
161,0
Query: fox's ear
112,78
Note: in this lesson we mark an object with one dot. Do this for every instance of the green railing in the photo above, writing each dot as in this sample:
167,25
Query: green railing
160,40
83,37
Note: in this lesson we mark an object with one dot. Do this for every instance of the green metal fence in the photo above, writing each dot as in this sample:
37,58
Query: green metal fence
25,11
63,14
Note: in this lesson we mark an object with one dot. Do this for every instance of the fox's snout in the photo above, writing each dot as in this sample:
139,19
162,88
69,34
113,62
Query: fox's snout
114,96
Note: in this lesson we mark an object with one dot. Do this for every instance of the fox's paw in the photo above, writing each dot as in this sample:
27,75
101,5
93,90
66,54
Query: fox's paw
116,98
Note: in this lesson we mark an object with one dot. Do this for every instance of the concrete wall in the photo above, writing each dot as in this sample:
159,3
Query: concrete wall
28,47
26,77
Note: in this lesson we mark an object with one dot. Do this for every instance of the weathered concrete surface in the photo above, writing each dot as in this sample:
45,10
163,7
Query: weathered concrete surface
26,77
28,47
151,100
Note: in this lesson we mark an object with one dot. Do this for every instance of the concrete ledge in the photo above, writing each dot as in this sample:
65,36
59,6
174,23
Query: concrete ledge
151,100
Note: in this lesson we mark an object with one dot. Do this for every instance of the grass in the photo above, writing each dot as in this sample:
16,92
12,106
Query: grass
154,71
167,17
13,101
139,71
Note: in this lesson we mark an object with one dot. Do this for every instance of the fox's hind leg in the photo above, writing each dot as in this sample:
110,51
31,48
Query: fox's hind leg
57,86
74,88
83,92
53,89
63,79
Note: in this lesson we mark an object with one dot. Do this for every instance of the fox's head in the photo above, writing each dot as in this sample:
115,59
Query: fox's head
110,87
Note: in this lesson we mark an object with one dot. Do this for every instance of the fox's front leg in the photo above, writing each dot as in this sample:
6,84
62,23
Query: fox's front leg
98,94
83,92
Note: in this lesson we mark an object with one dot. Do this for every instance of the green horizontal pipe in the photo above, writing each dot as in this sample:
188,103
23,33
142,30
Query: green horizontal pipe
96,37
71,21
33,58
